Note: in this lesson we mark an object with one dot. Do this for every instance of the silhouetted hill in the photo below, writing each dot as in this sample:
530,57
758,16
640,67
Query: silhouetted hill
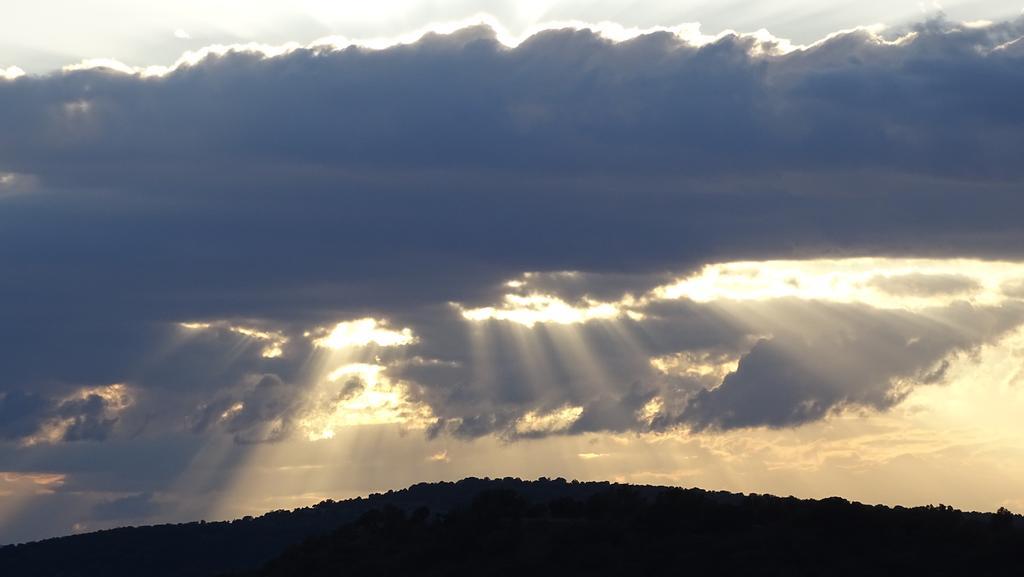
512,527
202,549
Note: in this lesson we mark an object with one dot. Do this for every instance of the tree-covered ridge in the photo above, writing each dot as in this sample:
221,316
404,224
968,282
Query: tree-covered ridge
625,531
514,527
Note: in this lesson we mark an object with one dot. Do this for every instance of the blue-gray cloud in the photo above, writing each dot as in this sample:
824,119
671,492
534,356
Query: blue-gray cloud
132,507
25,415
848,358
328,184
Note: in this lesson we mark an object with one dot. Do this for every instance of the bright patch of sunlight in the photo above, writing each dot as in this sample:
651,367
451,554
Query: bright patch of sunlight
274,341
195,326
556,421
651,410
528,310
11,72
439,457
360,394
696,364
362,332
879,282
231,411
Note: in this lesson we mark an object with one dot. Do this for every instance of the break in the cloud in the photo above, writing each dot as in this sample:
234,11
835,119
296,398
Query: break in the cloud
474,240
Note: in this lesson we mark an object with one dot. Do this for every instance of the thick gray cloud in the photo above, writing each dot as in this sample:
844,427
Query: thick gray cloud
567,101
21,414
798,361
265,411
848,357
24,415
132,507
321,185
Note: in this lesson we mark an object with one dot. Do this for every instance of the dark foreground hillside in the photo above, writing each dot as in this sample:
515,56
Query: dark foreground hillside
677,532
549,527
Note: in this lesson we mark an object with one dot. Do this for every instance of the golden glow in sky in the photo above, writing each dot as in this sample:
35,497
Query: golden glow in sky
274,341
359,394
556,421
362,332
361,421
531,309
960,444
353,389
886,283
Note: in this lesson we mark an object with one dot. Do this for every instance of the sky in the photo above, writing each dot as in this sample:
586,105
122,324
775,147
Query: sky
47,35
255,255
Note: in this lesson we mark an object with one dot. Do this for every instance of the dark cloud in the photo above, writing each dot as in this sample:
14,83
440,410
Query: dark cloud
21,414
91,416
798,361
132,507
292,192
88,418
564,101
849,357
262,411
325,181
484,377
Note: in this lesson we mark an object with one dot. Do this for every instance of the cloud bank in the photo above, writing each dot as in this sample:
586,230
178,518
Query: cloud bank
192,235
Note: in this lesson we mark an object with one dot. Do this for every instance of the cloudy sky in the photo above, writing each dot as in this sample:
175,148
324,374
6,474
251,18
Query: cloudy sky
254,255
